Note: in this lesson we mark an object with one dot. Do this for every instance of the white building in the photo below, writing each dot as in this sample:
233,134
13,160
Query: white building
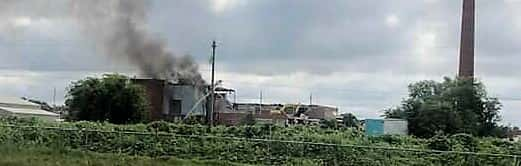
12,106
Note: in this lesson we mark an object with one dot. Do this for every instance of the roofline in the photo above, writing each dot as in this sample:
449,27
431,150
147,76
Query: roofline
48,113
165,81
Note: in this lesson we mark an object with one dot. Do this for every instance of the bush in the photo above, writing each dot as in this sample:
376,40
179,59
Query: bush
112,98
440,142
192,142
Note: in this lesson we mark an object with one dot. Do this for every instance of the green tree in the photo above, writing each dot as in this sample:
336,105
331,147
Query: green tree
112,98
350,120
329,124
448,107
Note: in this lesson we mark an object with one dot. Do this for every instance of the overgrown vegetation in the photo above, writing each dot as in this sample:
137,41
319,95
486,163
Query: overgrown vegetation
449,107
201,142
112,98
58,156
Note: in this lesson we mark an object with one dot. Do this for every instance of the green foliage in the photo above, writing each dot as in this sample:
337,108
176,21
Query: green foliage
59,156
112,98
457,142
440,142
465,141
193,120
329,124
159,139
449,107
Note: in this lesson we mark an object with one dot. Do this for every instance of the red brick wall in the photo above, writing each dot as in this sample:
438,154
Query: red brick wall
466,63
230,118
155,93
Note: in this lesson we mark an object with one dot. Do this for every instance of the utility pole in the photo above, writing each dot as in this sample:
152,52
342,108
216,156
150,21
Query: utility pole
212,90
54,97
235,97
260,102
310,98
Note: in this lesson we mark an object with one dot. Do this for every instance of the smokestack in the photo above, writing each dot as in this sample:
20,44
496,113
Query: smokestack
466,61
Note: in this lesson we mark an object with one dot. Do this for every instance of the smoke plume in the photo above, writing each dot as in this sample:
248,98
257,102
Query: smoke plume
119,30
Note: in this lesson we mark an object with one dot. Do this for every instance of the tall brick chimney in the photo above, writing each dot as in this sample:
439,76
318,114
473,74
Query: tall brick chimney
466,59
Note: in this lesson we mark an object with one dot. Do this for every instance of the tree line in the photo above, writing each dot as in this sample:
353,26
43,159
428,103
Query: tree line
452,106
432,108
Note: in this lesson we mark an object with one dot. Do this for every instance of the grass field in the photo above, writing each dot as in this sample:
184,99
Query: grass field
40,156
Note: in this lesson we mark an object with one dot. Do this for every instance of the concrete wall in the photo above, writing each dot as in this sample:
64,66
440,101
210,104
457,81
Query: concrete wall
395,127
189,96
222,104
161,95
321,112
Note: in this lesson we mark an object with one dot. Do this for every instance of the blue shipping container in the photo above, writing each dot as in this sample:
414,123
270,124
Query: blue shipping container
374,127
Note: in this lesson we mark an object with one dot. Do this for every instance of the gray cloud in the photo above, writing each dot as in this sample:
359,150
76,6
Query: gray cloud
356,54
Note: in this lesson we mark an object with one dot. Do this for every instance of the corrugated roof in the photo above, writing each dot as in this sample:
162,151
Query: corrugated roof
28,111
16,100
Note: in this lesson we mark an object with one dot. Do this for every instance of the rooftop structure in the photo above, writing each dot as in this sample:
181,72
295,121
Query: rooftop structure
12,106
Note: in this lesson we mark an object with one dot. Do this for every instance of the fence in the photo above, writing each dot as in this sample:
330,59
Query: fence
241,150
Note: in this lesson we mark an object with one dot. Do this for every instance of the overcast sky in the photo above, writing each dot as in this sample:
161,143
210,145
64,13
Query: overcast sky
357,55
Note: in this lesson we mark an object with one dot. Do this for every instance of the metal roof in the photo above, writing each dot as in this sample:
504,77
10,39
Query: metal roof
20,106
28,111
16,100
386,119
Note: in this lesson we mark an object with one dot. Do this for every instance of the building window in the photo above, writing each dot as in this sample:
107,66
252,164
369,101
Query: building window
175,107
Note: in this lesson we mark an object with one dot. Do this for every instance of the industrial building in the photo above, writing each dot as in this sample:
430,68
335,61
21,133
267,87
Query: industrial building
310,114
282,114
171,100
255,107
264,116
319,111
13,106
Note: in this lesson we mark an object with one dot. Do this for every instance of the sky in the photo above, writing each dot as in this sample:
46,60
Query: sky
357,55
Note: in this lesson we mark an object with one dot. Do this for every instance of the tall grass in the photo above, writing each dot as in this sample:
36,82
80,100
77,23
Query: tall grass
16,155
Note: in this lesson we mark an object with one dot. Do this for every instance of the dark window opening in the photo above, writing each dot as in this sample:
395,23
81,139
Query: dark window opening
175,107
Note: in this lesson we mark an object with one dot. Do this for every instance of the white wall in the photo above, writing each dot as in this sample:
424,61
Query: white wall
395,127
